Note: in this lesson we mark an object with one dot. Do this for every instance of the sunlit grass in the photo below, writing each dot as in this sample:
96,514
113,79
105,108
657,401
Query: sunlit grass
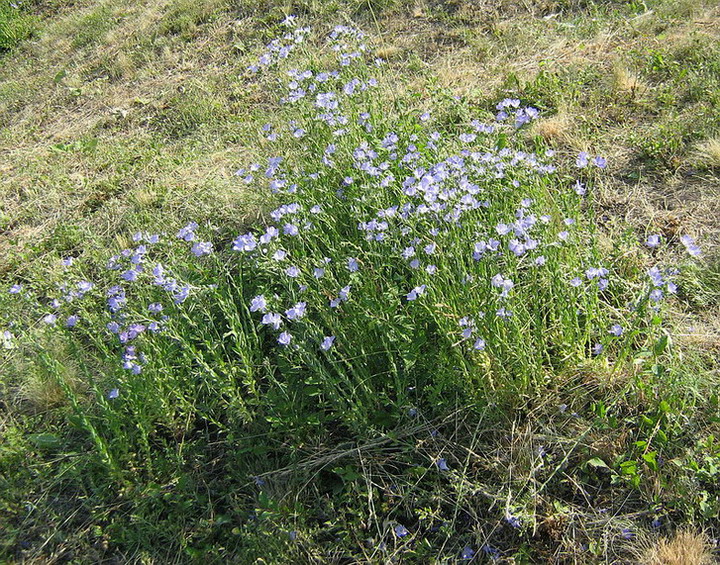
389,323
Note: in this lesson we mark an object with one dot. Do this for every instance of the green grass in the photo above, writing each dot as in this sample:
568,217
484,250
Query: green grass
16,24
230,447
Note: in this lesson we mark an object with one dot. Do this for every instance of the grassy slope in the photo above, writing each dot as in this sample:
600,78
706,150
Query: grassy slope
121,114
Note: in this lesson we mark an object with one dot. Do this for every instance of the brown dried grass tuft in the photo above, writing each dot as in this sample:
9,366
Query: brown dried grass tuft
708,153
555,130
388,52
628,82
686,547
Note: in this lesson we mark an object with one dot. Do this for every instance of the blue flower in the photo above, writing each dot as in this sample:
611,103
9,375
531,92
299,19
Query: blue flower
188,232
491,552
327,342
415,292
401,531
502,229
284,338
202,248
296,312
582,160
72,321
84,286
653,241
114,393
345,293
258,304
352,264
616,330
503,313
181,295
50,319
595,272
291,229
690,245
467,553
442,464
269,234
656,295
272,319
130,275
656,276
245,242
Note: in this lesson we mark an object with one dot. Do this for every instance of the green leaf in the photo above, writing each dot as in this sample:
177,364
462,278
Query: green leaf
45,441
90,144
628,468
651,460
597,463
661,344
222,519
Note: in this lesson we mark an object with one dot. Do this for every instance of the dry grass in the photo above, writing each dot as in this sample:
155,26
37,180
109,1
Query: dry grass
708,153
555,130
123,89
37,391
700,334
629,82
686,547
389,52
125,84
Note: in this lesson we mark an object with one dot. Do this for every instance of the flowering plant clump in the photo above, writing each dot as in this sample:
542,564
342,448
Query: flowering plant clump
400,261
401,265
